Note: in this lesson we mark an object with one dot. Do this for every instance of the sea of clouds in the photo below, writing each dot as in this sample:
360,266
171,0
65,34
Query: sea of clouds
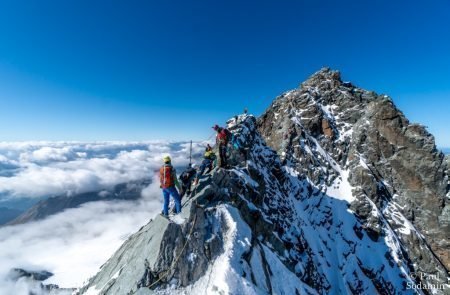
75,243
39,169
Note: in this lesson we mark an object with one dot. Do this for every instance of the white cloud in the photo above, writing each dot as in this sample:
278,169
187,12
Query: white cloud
37,169
46,154
75,243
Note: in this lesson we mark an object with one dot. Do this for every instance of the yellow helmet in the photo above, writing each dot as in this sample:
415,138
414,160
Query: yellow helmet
166,159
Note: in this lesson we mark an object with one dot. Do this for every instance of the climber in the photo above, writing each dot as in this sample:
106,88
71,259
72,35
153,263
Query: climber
187,178
168,181
222,138
207,163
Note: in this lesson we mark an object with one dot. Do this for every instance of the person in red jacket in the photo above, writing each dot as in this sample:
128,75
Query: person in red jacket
222,138
168,181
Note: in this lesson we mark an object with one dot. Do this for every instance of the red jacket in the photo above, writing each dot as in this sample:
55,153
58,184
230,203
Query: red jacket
222,136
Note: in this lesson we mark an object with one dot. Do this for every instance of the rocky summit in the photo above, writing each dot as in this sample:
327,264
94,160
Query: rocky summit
396,173
331,191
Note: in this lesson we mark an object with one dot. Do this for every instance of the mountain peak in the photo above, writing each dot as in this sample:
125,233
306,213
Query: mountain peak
265,226
334,124
325,74
330,191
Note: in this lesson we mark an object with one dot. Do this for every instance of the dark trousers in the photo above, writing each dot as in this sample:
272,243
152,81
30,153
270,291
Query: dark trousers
206,163
223,155
186,187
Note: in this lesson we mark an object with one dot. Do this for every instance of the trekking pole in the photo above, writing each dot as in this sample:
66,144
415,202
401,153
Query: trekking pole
190,154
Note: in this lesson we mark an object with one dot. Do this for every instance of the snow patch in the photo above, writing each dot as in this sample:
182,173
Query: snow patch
341,188
224,276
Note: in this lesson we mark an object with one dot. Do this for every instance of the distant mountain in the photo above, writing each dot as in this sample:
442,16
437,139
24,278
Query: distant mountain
8,214
53,205
35,279
18,203
446,151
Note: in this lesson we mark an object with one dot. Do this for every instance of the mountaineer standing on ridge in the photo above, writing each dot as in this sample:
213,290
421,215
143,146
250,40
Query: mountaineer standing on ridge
222,138
168,181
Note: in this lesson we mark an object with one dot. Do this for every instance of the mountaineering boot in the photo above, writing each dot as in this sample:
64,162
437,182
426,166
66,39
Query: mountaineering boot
165,216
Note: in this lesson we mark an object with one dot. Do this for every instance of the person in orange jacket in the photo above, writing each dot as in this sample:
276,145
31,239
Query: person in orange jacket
168,181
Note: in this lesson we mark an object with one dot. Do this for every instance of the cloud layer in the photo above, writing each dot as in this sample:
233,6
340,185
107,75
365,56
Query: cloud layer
75,243
40,169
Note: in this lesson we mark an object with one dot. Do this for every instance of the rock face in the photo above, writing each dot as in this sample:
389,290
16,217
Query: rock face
265,228
396,172
317,220
53,205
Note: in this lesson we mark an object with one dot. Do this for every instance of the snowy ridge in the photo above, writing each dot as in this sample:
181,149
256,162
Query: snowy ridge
343,140
328,217
306,209
279,232
225,273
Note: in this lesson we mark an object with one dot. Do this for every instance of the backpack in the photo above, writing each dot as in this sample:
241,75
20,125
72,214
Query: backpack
209,155
235,142
229,134
224,136
166,176
187,175
184,176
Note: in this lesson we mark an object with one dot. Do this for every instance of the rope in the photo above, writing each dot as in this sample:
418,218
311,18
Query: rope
167,272
211,136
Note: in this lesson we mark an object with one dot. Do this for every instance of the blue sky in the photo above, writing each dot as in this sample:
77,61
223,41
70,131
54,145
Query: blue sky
139,70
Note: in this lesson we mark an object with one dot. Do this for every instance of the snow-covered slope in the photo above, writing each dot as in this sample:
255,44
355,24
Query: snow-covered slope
270,225
331,131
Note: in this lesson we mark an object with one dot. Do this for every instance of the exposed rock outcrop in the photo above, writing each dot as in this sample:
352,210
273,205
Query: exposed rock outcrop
279,225
346,197
396,172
